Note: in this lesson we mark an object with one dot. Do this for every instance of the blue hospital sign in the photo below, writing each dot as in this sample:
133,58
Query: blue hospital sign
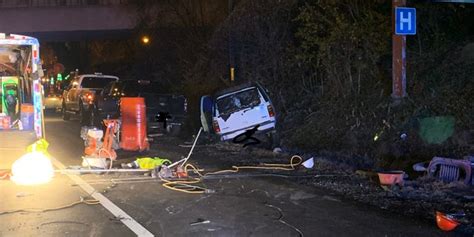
405,21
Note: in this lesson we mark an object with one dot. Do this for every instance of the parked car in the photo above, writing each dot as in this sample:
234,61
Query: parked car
165,112
245,109
52,100
79,95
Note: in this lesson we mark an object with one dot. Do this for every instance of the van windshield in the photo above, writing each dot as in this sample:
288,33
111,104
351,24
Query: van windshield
237,101
96,82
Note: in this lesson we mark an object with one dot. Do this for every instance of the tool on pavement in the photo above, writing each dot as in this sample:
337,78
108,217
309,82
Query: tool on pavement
446,222
450,170
97,152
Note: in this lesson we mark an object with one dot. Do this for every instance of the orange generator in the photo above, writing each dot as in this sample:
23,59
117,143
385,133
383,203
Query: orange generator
133,129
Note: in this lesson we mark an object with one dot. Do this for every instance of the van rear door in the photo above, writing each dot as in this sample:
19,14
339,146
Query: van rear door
242,109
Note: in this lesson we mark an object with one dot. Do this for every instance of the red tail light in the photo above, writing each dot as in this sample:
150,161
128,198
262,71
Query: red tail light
271,113
215,125
88,97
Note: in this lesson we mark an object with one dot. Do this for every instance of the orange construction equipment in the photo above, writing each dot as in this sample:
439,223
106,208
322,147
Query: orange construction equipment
97,149
112,129
133,129
446,222
92,142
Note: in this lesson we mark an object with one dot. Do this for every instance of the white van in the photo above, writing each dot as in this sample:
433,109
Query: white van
234,111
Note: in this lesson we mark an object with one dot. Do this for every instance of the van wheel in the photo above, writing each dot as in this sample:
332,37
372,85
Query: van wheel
64,113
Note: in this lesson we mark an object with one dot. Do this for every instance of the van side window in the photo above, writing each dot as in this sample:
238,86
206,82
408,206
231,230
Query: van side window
264,94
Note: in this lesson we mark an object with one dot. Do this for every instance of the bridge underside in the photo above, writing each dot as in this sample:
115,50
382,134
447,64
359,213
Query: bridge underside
69,23
80,35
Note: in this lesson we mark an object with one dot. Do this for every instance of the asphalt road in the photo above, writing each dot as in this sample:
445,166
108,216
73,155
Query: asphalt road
79,220
266,206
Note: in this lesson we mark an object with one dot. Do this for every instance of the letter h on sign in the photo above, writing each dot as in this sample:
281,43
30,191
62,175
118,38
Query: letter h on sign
405,21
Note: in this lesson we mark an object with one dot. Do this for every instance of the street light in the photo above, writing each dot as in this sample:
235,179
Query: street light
145,39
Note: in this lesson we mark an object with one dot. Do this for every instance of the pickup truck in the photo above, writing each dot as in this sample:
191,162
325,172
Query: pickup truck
165,112
79,96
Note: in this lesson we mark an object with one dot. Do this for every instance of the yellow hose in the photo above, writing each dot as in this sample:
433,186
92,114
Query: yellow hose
264,166
186,183
186,187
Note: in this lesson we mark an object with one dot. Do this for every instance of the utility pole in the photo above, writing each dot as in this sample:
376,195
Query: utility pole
398,57
231,43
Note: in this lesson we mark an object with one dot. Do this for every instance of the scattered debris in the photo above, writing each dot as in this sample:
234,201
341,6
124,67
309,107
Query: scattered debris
147,163
418,198
277,150
200,221
86,201
420,167
64,222
155,135
280,219
162,171
391,177
446,222
448,170
309,163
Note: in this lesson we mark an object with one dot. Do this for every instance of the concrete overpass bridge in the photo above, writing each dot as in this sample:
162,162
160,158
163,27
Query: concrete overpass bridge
67,20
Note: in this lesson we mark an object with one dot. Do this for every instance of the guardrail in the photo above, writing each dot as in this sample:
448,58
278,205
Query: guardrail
57,3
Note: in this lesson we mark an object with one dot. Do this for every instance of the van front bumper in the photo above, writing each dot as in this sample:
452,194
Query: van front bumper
263,128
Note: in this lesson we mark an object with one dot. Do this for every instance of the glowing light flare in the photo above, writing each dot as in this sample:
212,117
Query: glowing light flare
145,39
32,169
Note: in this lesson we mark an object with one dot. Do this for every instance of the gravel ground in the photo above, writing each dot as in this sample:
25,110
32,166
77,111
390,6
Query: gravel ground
418,198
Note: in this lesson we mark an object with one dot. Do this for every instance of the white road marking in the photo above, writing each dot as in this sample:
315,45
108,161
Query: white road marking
127,220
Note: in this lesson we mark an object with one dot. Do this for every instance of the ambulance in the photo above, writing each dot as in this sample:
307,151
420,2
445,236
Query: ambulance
21,96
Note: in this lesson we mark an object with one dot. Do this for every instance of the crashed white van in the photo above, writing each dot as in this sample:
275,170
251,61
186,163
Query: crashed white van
234,111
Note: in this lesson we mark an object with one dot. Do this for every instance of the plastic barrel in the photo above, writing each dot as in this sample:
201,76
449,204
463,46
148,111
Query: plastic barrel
133,129
27,116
